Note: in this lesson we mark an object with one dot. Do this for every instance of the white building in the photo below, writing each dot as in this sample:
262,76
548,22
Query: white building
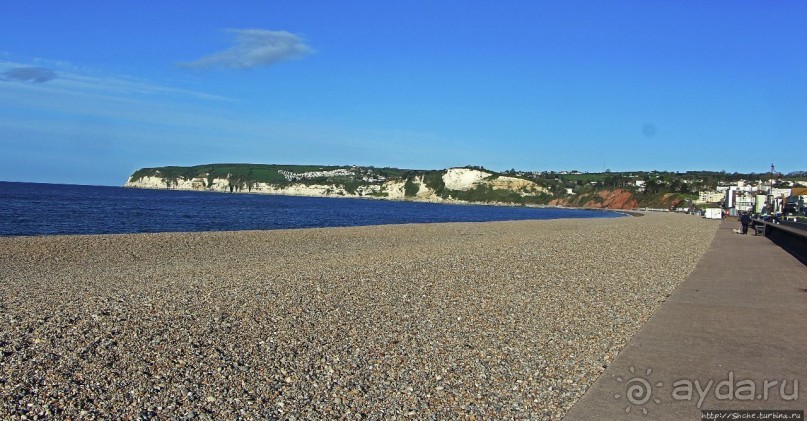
777,192
710,196
744,203
713,213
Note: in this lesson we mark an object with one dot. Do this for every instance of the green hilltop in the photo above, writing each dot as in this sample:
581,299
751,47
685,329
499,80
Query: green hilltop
568,188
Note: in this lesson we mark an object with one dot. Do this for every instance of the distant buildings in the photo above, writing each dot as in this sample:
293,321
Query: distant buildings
745,196
796,203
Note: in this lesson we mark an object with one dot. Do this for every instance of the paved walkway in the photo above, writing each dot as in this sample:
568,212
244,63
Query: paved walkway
742,313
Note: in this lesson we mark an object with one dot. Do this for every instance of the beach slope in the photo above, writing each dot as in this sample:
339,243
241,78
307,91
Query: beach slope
501,319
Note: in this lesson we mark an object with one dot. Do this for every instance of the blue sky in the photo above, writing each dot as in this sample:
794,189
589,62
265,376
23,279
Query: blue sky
92,90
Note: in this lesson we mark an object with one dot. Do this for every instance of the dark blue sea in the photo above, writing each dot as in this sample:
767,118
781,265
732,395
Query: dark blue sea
48,209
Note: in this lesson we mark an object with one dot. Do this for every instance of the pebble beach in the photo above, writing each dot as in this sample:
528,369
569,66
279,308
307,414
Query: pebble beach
458,320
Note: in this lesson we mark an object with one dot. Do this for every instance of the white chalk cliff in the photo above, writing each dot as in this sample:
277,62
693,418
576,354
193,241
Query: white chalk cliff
303,184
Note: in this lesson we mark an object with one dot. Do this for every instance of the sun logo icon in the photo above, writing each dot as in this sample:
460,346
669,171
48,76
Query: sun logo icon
638,390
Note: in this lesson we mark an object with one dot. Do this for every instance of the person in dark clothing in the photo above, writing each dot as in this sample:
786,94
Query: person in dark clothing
745,221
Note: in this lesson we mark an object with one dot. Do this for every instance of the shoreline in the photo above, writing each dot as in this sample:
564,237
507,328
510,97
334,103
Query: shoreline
236,231
88,211
407,199
498,319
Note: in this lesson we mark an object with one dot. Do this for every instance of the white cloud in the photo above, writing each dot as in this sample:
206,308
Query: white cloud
255,48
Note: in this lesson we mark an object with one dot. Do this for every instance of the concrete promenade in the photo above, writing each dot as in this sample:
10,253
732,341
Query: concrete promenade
741,315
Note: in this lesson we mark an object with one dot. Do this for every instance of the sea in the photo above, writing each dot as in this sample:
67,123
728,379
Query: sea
29,209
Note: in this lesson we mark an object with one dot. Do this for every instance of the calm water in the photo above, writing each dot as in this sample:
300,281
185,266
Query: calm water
43,209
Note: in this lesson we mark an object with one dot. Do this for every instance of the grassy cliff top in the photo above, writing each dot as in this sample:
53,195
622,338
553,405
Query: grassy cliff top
262,173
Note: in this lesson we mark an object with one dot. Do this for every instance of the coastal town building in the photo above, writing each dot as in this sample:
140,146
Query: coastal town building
711,196
744,203
796,203
754,196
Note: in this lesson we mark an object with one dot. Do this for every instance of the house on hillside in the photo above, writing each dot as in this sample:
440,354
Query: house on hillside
710,196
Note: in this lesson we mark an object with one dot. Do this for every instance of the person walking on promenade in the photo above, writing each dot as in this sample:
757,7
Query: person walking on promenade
745,220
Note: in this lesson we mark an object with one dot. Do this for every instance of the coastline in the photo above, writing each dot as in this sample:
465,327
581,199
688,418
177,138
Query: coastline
336,196
630,212
493,319
103,210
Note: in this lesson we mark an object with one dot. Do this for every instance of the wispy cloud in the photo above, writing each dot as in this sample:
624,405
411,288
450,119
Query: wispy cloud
29,74
255,48
73,80
89,95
